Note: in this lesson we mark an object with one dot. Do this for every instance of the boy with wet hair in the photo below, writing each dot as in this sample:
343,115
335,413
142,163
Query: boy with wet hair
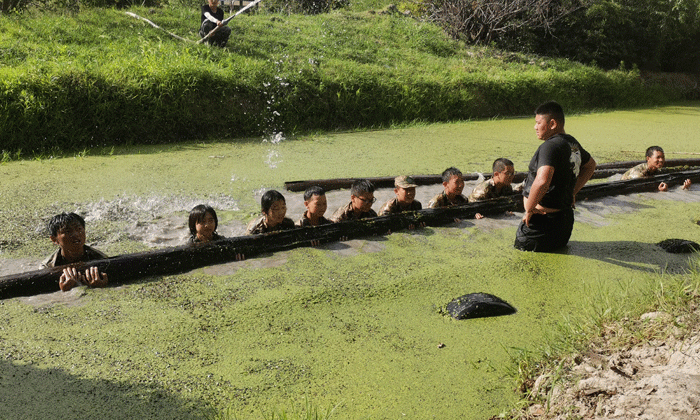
655,161
67,230
453,184
405,190
316,205
274,212
498,185
360,205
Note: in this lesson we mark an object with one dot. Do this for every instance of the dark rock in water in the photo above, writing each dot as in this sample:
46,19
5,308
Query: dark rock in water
479,305
679,246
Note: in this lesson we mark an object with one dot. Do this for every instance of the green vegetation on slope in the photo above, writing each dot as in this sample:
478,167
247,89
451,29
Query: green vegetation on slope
101,77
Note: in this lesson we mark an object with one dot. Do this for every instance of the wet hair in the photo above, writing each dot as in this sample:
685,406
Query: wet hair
312,191
269,198
362,186
62,220
448,173
652,149
500,164
553,110
197,215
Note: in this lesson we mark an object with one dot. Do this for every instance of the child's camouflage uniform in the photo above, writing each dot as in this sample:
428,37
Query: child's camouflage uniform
304,221
441,200
639,171
393,206
348,213
259,226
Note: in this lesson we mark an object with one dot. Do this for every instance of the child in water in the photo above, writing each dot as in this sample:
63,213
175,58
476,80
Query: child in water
203,223
274,210
67,230
453,183
316,206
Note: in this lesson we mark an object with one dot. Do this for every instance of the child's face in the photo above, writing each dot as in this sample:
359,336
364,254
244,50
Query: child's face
454,186
656,161
206,227
276,213
505,177
317,205
405,195
213,4
362,202
71,239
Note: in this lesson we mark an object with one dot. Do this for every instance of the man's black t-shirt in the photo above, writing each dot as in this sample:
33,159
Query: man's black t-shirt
565,154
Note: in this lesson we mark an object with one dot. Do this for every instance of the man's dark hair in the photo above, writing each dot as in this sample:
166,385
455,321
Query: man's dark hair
500,164
269,198
63,220
312,191
448,173
553,110
361,186
197,215
652,149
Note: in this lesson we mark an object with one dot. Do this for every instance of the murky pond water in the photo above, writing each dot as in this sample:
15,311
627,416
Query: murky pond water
355,324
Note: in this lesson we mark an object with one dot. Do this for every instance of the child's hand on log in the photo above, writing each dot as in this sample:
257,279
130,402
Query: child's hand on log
94,278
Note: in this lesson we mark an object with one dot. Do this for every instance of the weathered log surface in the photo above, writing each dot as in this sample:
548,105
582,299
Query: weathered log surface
604,170
131,267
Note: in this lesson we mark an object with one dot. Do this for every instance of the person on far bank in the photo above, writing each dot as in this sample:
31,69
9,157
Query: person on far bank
557,171
212,17
360,205
656,159
498,185
67,230
274,212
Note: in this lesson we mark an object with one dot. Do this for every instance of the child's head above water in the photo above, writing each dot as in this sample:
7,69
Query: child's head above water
452,181
67,230
503,171
274,207
362,195
62,221
203,222
405,189
315,201
655,158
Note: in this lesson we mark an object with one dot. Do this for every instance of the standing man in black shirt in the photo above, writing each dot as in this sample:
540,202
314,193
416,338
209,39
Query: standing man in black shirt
557,171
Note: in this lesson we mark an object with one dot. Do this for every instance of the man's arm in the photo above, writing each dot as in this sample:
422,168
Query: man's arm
539,188
584,175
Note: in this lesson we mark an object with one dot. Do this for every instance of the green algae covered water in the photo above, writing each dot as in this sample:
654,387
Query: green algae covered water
359,326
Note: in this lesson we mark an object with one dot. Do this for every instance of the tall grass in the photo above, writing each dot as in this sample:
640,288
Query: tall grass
608,325
102,78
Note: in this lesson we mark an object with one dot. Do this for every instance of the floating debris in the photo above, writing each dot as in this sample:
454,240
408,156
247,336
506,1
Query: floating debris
679,246
479,305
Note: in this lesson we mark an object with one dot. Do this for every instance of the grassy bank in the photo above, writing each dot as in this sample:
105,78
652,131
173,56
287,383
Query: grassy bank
609,326
102,78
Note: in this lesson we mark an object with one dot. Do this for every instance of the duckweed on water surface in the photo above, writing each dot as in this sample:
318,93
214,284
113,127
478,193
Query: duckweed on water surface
354,325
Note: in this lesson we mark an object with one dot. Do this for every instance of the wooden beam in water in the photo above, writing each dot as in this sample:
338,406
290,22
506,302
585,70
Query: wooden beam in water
604,170
166,261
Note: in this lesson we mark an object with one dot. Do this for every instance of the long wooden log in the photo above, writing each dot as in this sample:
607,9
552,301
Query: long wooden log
131,267
604,170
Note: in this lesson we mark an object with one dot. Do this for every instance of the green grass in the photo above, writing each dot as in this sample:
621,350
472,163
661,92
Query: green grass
102,78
